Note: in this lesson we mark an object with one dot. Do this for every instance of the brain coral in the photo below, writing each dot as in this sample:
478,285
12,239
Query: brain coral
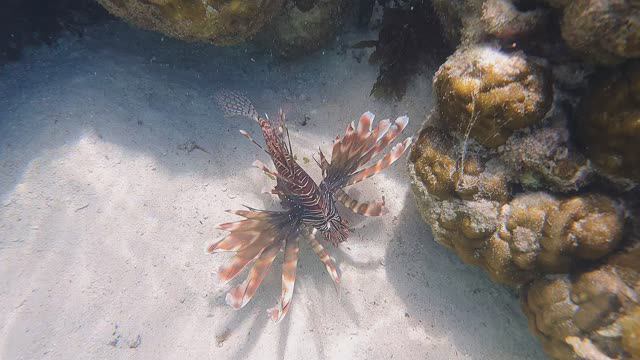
528,165
601,305
491,93
471,209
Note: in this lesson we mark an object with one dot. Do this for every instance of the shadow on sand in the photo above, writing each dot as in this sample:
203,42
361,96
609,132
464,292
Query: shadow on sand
435,285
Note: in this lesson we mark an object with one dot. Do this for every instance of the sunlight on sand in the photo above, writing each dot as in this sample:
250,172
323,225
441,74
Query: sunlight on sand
107,210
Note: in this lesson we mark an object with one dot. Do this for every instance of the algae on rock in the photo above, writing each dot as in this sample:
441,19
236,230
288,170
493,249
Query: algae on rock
545,158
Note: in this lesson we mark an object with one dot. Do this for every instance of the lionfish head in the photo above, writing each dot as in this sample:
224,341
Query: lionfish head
336,231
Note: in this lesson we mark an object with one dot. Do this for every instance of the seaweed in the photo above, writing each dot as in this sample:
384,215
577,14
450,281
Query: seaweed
410,36
33,22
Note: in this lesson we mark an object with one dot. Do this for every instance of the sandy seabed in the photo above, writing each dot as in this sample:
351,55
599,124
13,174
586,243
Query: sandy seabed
115,165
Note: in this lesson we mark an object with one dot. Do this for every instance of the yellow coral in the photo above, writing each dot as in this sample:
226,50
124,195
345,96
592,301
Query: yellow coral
491,93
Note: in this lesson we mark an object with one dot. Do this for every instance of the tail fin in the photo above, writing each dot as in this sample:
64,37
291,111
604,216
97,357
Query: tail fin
256,241
235,103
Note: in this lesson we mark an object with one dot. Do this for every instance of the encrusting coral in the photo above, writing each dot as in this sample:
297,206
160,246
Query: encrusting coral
290,28
440,187
436,155
220,22
541,234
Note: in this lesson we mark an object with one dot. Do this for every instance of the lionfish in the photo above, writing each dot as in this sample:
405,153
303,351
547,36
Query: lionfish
262,234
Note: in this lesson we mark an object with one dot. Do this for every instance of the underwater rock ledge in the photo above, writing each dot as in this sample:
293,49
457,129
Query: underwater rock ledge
289,28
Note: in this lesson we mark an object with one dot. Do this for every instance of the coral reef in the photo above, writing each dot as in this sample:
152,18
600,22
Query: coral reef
216,21
492,93
528,166
515,238
304,26
545,234
601,305
608,123
435,156
603,31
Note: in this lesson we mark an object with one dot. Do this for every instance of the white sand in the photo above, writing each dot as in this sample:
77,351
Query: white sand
104,215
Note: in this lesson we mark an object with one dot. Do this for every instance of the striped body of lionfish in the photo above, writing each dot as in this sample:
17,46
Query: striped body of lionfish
307,206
